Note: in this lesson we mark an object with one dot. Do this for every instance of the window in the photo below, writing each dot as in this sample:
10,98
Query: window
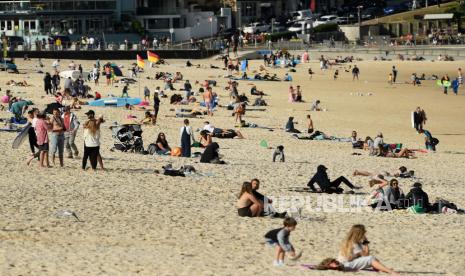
249,9
176,23
159,23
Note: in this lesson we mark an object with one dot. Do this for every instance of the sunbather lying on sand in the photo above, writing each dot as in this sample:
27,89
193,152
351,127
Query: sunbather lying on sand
401,172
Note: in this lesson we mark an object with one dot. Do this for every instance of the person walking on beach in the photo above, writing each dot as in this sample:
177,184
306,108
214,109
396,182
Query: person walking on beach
56,64
125,93
48,84
146,94
32,119
71,127
419,119
107,69
42,126
208,99
156,105
355,253
279,238
187,135
355,72
55,82
445,81
92,140
309,124
96,74
394,74
57,139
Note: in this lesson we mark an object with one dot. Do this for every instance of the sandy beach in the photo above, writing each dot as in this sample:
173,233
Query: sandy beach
136,222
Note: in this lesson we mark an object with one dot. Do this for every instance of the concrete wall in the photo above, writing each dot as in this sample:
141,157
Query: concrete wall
351,32
113,55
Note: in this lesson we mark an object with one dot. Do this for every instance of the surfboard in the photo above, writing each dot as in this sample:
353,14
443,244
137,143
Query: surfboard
118,102
73,74
413,119
21,136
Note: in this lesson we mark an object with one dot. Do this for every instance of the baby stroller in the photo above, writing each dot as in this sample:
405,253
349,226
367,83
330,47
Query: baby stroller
127,138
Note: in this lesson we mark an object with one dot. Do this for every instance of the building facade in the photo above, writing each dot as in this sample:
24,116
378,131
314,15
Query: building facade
53,17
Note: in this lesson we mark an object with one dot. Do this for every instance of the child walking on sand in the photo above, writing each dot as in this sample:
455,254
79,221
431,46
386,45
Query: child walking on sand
279,238
390,79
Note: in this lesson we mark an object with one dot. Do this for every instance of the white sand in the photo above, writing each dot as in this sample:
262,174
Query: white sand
137,222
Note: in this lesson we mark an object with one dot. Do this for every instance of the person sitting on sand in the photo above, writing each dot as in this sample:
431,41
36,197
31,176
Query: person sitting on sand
161,145
259,101
205,138
210,155
266,202
254,91
325,185
316,106
290,126
394,194
248,205
356,143
417,197
430,141
377,199
355,253
279,238
148,119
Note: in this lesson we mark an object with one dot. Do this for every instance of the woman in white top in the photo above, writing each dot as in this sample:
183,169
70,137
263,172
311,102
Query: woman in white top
91,140
355,254
187,135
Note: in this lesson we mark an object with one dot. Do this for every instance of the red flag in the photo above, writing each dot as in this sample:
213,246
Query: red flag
313,5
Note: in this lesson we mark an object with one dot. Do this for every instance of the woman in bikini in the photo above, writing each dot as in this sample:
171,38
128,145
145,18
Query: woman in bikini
248,205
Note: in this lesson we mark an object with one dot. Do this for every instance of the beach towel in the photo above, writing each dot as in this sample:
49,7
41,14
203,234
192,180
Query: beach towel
313,267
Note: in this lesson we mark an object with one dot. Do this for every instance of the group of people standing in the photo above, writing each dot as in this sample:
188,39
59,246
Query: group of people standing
51,135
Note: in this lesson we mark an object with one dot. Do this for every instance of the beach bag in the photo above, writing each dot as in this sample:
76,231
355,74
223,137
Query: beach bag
176,152
434,141
152,149
416,209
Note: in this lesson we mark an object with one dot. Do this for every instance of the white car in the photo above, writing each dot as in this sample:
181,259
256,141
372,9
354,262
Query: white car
299,25
327,19
256,28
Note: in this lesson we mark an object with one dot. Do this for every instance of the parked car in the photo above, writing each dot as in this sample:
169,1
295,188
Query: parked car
326,19
299,25
395,9
302,14
278,27
256,27
343,20
371,13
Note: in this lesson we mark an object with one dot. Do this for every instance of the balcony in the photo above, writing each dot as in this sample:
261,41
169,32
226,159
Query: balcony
157,11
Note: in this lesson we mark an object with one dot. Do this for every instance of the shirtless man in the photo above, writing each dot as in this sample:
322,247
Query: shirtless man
208,99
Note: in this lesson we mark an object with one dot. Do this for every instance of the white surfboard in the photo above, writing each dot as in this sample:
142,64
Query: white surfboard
413,119
73,74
